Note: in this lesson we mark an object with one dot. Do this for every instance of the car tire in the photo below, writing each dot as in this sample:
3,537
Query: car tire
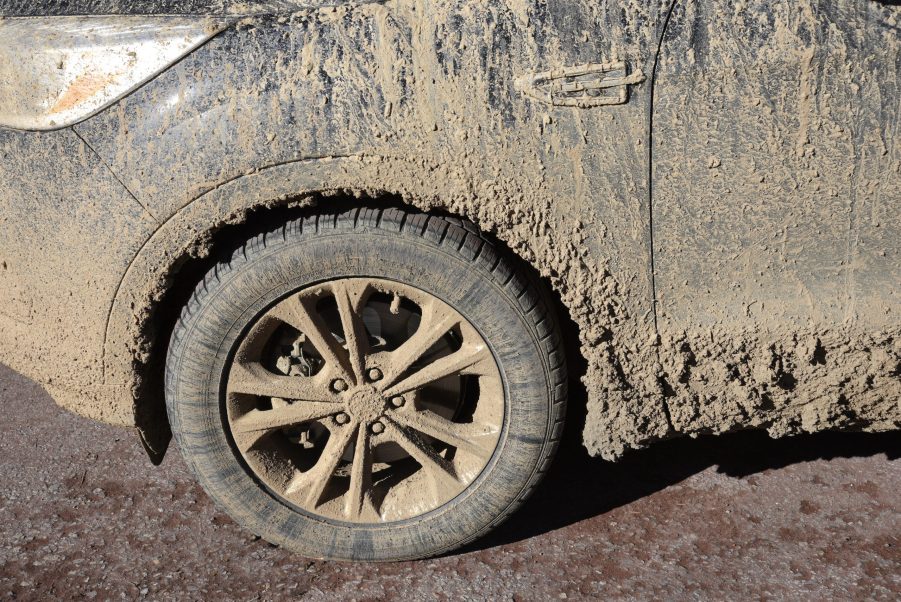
442,494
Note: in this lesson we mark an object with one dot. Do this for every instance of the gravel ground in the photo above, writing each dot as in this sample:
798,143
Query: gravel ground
83,514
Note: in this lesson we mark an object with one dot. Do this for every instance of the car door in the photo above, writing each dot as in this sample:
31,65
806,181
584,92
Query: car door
776,193
776,180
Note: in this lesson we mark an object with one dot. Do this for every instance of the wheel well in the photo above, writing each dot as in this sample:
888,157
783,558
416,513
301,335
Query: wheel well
187,272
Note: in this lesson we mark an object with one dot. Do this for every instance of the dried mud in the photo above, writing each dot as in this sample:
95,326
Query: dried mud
775,233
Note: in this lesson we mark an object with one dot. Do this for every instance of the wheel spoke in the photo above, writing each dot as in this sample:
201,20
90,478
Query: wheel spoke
469,359
360,477
308,487
296,413
441,472
350,295
435,323
474,438
297,312
253,379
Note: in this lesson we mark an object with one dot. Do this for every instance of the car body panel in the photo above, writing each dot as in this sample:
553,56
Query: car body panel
206,8
453,106
776,191
800,156
68,230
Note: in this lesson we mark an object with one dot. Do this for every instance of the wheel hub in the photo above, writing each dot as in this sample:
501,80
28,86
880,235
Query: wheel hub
366,404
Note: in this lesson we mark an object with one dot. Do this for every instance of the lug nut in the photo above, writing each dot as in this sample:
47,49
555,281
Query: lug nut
377,427
398,401
339,385
374,374
342,418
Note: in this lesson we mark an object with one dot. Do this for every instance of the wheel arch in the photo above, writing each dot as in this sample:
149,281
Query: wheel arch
175,258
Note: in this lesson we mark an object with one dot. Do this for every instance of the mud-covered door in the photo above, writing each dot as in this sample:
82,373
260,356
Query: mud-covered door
776,191
776,184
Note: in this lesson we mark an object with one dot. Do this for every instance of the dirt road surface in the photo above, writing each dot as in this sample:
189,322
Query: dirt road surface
83,515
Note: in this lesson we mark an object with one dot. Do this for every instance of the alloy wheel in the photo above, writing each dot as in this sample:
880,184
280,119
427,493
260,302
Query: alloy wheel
364,400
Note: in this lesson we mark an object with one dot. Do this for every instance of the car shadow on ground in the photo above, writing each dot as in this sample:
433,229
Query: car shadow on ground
579,487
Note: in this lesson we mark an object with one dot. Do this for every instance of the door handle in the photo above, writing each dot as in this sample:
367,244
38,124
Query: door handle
589,85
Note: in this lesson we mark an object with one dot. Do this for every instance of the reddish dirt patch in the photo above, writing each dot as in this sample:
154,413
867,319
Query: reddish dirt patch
84,515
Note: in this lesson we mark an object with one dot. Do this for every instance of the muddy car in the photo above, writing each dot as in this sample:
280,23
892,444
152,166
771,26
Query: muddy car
352,254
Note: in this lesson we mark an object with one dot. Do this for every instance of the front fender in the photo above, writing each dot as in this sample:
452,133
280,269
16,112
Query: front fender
429,89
